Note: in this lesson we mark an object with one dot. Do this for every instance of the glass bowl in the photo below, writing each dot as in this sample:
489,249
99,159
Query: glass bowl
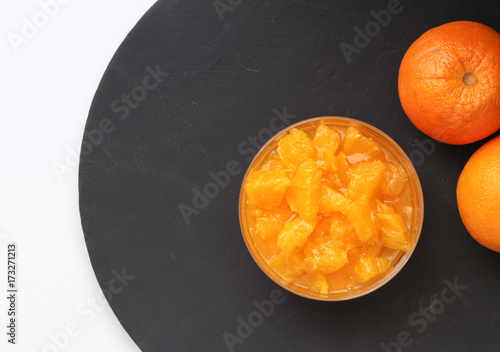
399,259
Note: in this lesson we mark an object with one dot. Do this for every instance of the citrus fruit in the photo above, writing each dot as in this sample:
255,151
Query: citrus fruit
294,234
365,178
356,146
304,194
268,223
288,265
449,82
393,232
478,195
325,208
295,148
326,142
369,267
266,189
321,253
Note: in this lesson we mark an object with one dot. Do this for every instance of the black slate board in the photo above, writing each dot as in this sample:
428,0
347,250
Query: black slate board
185,287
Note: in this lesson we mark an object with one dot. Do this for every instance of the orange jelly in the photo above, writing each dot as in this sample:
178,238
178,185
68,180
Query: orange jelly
328,209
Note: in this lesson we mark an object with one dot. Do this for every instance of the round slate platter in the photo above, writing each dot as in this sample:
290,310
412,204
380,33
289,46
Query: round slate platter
191,93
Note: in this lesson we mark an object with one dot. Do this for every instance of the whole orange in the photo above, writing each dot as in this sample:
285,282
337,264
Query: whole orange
478,195
449,82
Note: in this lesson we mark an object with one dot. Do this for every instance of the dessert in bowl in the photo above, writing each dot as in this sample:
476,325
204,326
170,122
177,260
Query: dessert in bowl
331,208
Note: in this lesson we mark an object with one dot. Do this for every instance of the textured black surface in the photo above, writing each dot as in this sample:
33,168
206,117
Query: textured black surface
189,283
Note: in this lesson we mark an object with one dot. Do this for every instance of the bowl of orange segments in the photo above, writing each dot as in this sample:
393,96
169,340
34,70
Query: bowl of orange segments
331,208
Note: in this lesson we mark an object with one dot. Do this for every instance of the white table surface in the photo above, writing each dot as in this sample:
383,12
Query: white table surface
47,84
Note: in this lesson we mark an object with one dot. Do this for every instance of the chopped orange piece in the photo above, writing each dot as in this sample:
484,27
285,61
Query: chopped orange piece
394,232
332,200
266,189
324,253
369,267
395,180
339,228
362,220
273,164
269,223
267,248
327,137
342,280
341,233
321,231
365,178
324,257
288,265
371,248
319,283
295,148
304,195
326,160
358,147
326,141
343,169
358,212
294,234
333,181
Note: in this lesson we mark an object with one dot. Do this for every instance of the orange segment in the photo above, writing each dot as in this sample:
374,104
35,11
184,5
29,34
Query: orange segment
371,248
295,148
267,248
332,200
327,137
288,265
326,160
266,189
357,147
343,169
369,267
324,257
333,181
365,178
321,231
395,180
362,220
319,283
326,141
339,228
341,233
269,223
342,279
393,232
294,234
322,254
273,163
304,195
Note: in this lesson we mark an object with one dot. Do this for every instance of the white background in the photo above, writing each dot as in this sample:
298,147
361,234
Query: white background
46,86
